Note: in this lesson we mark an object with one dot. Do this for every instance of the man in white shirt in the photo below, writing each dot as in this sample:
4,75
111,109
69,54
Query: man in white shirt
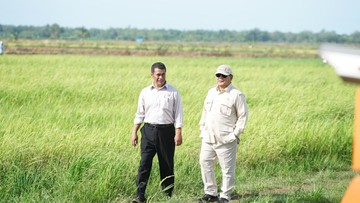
160,109
223,119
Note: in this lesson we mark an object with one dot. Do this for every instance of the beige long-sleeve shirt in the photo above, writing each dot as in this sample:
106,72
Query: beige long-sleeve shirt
224,115
160,106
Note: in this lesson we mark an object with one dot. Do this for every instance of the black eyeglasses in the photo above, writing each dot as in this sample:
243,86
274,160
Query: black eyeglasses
221,75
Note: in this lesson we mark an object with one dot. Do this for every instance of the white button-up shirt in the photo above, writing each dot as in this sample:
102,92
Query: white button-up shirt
160,106
224,115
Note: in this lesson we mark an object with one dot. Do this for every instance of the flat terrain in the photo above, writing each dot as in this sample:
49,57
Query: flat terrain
66,119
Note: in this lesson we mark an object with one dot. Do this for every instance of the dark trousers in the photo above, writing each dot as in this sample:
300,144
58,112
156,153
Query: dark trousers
160,141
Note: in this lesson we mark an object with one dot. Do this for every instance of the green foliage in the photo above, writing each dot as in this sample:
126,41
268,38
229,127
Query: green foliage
55,31
66,120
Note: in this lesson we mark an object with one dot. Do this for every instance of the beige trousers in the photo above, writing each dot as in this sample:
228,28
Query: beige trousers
226,154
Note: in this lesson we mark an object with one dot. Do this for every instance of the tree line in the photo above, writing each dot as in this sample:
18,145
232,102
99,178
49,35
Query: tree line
55,31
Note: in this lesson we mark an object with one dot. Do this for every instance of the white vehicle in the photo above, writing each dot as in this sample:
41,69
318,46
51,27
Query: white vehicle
344,59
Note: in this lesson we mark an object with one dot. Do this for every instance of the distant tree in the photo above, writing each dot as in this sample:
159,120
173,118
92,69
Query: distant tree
306,36
254,35
14,36
277,36
355,37
82,32
55,31
111,33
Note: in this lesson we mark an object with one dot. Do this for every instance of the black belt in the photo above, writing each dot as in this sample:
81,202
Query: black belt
159,125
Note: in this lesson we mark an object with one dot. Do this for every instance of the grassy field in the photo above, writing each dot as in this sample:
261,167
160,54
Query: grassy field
65,126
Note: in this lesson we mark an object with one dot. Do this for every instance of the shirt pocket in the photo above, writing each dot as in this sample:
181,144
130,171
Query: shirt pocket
208,105
225,109
167,102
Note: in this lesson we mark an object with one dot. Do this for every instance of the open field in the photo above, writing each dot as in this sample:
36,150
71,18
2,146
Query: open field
65,125
128,48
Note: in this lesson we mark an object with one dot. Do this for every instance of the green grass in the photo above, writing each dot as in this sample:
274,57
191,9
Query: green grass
66,120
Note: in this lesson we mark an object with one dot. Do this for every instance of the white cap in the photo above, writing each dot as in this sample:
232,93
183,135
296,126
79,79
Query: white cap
224,69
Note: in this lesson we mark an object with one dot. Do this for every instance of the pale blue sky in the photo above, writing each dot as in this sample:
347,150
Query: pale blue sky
341,16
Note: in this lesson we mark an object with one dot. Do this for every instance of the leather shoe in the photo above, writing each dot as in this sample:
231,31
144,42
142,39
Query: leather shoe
208,198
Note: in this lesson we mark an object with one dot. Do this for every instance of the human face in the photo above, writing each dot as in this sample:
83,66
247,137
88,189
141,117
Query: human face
223,81
158,77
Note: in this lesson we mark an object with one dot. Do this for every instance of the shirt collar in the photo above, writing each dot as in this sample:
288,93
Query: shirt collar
227,89
164,86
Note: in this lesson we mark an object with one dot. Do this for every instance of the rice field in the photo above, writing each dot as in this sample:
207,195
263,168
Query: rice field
66,120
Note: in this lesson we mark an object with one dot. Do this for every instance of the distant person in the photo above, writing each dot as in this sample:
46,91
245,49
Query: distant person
160,109
1,47
223,119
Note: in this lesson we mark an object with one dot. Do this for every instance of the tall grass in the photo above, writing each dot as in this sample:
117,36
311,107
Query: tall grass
65,124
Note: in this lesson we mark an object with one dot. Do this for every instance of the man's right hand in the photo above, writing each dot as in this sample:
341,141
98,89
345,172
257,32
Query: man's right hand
134,136
134,139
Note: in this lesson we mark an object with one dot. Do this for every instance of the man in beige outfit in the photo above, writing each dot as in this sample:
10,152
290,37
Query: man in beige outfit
223,120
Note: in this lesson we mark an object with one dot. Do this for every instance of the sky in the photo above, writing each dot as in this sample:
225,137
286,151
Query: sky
340,16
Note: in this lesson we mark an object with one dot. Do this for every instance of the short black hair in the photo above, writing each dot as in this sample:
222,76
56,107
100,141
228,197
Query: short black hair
158,65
